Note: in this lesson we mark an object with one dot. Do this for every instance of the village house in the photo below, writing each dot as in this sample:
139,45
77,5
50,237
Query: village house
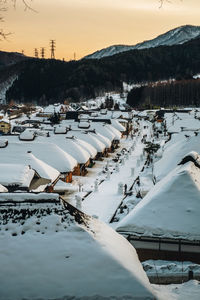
16,177
165,224
45,177
5,126
90,139
47,152
80,154
75,152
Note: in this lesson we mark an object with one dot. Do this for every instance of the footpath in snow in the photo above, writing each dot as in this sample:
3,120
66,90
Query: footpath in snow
104,202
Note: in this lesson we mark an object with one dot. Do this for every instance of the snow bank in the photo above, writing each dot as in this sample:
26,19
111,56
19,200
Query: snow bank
184,291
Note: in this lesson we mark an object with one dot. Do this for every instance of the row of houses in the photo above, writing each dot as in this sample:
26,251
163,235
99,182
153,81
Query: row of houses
56,155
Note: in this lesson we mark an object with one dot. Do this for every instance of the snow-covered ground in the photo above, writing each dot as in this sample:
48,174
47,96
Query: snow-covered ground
184,291
101,195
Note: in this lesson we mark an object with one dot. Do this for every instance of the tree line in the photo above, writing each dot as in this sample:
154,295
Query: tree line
46,81
167,94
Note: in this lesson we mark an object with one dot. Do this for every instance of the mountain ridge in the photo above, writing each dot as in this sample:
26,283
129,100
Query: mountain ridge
178,35
11,58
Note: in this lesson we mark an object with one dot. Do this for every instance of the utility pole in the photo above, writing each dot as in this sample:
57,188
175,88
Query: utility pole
42,52
52,48
36,52
74,55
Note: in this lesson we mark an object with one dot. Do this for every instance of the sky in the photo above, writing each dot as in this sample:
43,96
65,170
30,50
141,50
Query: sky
84,26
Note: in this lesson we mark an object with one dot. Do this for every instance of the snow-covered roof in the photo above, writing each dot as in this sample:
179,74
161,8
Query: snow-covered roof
16,174
101,129
60,129
84,125
4,120
92,140
52,108
23,197
171,208
18,155
27,135
3,189
142,113
62,186
70,147
86,146
94,114
48,152
80,154
113,269
174,152
115,131
102,139
115,123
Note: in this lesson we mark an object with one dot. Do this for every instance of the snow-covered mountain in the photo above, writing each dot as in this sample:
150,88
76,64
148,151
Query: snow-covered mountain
175,36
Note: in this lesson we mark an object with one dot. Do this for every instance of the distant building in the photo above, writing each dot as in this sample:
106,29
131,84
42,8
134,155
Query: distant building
5,126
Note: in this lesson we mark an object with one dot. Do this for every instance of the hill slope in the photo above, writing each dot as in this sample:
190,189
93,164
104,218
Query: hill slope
175,36
10,58
47,81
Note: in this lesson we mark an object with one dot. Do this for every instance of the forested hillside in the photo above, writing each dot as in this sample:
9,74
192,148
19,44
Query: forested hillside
46,81
168,94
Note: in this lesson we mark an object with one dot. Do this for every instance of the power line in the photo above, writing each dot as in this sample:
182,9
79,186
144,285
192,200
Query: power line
36,52
52,48
42,52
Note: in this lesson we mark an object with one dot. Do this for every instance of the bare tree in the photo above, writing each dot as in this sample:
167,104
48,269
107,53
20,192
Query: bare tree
165,1
4,7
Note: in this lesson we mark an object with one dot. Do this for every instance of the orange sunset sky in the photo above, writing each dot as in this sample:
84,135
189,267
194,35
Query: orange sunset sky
84,26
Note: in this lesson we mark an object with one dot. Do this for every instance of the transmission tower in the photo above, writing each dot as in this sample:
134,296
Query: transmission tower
42,52
36,52
52,48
